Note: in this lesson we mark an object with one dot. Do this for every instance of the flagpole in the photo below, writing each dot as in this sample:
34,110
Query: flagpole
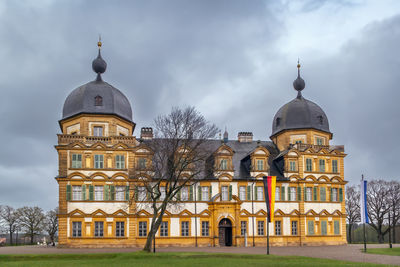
362,214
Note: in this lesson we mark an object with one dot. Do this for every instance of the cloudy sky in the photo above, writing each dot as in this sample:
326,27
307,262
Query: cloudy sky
233,60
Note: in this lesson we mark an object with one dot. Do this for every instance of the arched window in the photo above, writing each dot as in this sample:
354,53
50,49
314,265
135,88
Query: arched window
98,101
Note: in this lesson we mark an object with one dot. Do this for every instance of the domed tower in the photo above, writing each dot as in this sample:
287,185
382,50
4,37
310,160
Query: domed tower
300,121
96,158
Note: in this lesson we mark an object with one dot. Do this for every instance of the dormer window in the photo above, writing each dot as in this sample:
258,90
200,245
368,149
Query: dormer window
223,164
98,101
320,119
278,121
97,131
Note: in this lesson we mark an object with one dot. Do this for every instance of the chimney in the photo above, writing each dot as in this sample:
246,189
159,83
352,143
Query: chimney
244,137
146,133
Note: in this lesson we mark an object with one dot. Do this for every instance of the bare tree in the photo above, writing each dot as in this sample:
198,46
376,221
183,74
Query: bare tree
51,223
31,219
378,206
394,202
178,159
10,218
352,207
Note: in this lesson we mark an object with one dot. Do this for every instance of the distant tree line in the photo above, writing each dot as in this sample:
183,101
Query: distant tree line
29,221
383,205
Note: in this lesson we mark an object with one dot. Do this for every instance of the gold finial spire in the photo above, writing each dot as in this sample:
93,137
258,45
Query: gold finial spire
99,42
298,67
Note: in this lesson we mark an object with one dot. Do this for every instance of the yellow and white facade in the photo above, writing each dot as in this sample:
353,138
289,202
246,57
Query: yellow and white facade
101,203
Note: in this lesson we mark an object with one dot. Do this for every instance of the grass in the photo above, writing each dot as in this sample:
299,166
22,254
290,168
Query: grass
385,251
139,259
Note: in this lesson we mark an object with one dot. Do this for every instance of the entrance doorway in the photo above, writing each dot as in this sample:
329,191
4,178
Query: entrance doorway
225,232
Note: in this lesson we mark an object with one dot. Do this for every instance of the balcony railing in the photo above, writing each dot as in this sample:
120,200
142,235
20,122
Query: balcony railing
64,139
302,146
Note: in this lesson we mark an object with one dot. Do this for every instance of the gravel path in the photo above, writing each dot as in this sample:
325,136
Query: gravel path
346,252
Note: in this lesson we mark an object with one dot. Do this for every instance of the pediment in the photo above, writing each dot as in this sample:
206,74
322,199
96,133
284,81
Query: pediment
99,212
311,212
261,212
185,212
120,213
279,213
98,145
143,213
324,212
244,213
292,154
205,213
294,212
76,212
120,146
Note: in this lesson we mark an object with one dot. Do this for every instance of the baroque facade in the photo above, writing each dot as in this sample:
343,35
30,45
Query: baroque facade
101,203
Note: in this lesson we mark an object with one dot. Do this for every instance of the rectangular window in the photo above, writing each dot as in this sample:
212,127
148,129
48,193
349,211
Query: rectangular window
76,229
204,193
277,193
278,228
242,193
185,228
98,192
292,193
322,194
97,131
310,227
224,193
309,165
162,192
319,141
98,229
336,227
323,228
223,164
120,161
334,194
334,166
322,165
120,229
205,228
142,163
260,165
260,193
76,161
184,193
292,166
294,227
164,229
98,161
142,228
308,193
260,227
141,190
120,193
243,228
76,192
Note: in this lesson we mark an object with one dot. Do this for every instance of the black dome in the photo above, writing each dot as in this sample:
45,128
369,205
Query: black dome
300,113
97,97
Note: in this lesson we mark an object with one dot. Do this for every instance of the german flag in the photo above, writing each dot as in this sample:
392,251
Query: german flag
269,193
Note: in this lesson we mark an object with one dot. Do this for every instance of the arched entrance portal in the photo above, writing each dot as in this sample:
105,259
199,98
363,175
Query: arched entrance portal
225,232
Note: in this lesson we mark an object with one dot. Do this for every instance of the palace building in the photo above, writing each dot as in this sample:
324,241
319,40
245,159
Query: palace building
100,197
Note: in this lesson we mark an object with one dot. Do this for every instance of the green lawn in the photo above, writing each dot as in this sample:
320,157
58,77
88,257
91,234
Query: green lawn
385,251
166,259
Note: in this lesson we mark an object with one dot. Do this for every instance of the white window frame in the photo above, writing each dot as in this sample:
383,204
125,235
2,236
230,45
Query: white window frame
185,193
278,228
141,193
98,229
76,192
308,194
205,228
260,193
204,193
224,193
292,193
243,228
185,228
334,194
277,193
242,192
120,193
142,229
120,229
162,192
98,192
119,161
223,164
260,165
164,228
260,228
98,161
76,161
76,229
294,225
97,130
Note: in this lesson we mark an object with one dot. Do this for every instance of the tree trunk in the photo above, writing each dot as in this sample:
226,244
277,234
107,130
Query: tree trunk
380,238
394,234
350,226
11,238
152,234
31,238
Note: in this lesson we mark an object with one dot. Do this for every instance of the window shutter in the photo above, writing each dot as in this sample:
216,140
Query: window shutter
331,194
305,193
340,194
255,193
91,197
298,193
127,193
112,193
178,194
68,192
136,193
191,193
210,193
106,192
289,194
230,192
199,193
248,193
283,193
315,193
84,192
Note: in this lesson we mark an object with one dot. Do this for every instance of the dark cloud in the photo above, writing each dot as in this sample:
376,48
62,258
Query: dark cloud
224,57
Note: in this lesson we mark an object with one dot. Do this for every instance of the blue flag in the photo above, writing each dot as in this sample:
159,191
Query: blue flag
363,202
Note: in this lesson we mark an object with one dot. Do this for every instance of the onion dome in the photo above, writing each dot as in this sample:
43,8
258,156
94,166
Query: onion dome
97,97
300,113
